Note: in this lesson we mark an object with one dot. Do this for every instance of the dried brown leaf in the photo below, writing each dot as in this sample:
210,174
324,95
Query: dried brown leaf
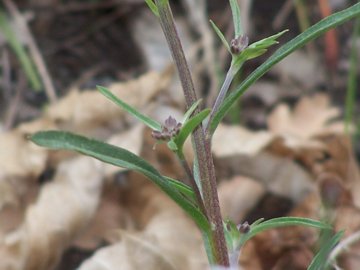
169,240
306,72
233,140
63,208
279,175
65,205
238,196
110,216
309,118
83,111
87,112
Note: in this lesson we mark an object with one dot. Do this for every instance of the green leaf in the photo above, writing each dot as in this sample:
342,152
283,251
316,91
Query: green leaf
299,41
255,50
221,36
182,188
258,221
239,60
291,221
196,172
267,42
151,123
232,235
235,9
15,44
282,222
352,84
172,145
161,3
191,110
320,261
251,53
152,7
189,127
119,157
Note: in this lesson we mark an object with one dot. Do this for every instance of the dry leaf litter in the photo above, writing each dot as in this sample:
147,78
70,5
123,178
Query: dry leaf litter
301,161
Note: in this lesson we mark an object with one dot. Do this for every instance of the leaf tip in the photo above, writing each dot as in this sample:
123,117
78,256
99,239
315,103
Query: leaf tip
29,136
100,88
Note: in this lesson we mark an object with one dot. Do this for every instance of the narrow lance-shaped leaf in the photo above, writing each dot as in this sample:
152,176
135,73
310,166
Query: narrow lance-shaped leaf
258,221
267,42
221,36
232,235
196,172
182,188
249,54
320,261
189,127
161,3
236,236
152,7
143,118
256,49
235,9
282,222
190,111
299,41
352,84
119,157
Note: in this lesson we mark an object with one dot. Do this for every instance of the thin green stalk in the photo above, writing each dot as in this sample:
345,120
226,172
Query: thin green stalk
192,181
202,149
20,51
221,96
235,116
352,83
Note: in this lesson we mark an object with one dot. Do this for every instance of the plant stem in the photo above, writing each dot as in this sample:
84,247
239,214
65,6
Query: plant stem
299,41
351,83
202,149
221,96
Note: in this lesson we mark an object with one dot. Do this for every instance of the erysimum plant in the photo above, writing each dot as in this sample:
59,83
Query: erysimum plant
222,239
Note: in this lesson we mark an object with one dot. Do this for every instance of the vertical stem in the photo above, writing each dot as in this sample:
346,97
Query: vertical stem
202,149
351,82
222,94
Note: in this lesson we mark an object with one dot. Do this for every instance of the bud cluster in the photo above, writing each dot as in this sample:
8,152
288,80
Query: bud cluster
170,129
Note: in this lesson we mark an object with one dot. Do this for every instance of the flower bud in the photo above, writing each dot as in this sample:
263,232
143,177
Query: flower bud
238,44
170,129
244,228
